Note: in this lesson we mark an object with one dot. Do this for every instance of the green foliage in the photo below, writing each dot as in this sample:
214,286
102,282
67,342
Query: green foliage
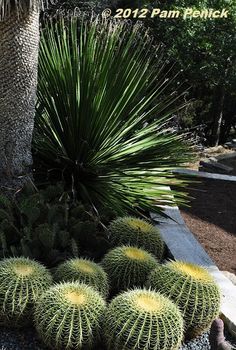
128,267
143,319
137,232
48,226
68,316
85,271
193,289
22,282
102,122
205,50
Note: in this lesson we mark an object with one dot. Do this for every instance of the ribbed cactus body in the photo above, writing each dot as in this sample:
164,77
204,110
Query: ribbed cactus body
137,232
128,267
22,282
143,320
194,291
69,315
83,270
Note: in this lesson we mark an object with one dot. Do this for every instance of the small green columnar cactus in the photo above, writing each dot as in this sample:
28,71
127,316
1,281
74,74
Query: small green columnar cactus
143,319
137,232
69,315
193,289
128,267
83,270
22,281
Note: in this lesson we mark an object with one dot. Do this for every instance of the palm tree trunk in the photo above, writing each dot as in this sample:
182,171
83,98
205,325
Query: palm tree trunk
19,40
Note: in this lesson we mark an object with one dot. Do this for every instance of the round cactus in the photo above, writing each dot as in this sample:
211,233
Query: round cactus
193,289
143,319
68,316
137,232
83,270
128,267
22,281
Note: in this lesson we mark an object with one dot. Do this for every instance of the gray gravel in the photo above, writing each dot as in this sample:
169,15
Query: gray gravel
22,339
200,343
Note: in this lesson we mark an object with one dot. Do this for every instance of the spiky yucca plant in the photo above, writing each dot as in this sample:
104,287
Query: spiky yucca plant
138,232
128,267
102,119
143,319
22,282
68,316
83,270
19,41
193,289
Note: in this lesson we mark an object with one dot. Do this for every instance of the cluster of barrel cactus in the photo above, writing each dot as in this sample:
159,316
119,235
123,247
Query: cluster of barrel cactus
156,307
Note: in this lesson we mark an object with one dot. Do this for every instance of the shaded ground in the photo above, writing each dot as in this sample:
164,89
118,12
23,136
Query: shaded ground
230,162
212,218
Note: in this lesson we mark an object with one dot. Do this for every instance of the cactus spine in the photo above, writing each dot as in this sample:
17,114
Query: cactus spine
136,232
68,316
22,281
193,289
128,267
83,270
143,319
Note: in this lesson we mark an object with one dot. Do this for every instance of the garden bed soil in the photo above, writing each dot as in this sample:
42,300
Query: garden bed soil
231,162
211,218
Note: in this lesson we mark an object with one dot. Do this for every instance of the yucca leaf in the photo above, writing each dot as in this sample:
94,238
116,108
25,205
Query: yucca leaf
104,114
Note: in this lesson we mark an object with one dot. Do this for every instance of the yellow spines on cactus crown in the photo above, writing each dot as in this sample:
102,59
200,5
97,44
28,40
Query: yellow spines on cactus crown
84,271
69,316
143,319
194,271
136,232
193,289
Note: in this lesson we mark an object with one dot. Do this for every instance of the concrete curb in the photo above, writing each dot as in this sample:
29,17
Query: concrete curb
184,246
203,174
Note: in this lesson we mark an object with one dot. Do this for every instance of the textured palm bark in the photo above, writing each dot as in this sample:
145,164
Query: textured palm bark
19,40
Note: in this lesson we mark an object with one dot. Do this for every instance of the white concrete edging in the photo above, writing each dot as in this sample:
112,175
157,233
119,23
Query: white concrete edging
203,174
183,245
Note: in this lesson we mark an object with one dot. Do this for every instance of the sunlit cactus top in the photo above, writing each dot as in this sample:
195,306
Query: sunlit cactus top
193,271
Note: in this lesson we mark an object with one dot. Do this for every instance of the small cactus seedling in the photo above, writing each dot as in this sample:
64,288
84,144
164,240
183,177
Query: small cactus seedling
193,289
143,319
22,281
128,267
136,232
83,270
68,316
